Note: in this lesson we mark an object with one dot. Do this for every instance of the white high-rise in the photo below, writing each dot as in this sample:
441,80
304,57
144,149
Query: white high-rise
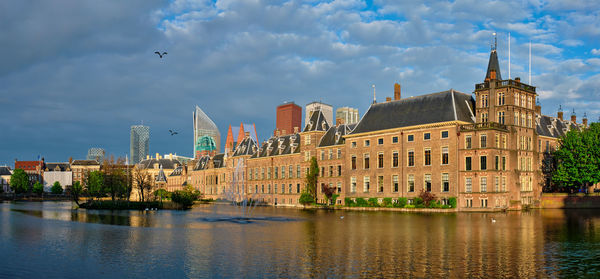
326,109
347,114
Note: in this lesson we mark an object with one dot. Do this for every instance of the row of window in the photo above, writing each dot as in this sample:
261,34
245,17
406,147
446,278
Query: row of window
409,138
445,157
520,99
499,163
331,171
500,141
285,189
278,172
499,184
330,154
394,183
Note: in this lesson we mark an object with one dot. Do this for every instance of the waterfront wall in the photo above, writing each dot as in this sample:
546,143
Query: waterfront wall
562,200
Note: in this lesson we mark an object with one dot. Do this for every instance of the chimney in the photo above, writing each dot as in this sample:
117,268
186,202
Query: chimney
397,90
573,117
171,156
157,156
538,109
584,120
339,121
518,79
560,113
296,130
492,74
388,99
147,157
247,134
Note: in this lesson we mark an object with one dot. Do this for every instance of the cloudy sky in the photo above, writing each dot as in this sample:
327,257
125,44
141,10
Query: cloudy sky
77,74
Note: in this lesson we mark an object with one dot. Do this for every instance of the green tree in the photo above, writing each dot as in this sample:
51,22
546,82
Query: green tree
312,178
95,184
19,181
306,198
578,158
56,188
76,191
38,188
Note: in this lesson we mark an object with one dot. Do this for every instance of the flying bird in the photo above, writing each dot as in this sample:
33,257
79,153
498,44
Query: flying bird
159,54
173,132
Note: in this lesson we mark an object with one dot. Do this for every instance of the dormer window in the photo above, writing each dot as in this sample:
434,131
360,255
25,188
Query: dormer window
310,124
324,126
337,136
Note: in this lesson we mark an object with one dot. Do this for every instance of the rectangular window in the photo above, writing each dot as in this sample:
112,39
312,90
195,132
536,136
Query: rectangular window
339,187
483,162
445,155
500,98
339,170
353,184
483,141
484,117
330,154
483,184
380,141
468,185
366,182
322,155
380,160
468,163
366,163
330,171
497,136
427,181
276,173
298,171
367,142
504,184
410,138
484,100
339,153
380,184
411,183
297,188
427,157
468,141
497,184
283,188
290,188
274,188
444,134
395,183
353,162
353,144
394,139
411,158
426,136
282,172
503,163
501,117
395,159
445,182
262,176
291,171
516,120
307,140
497,163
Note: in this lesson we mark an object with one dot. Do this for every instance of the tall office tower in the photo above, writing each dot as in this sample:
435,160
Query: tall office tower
326,109
347,114
96,153
207,138
289,116
140,142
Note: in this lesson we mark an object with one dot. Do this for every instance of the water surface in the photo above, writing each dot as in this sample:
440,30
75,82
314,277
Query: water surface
52,241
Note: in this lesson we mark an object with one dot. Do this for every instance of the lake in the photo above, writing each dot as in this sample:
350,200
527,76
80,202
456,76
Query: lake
50,240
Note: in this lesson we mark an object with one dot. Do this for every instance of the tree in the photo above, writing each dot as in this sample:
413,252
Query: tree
76,191
143,182
38,188
312,178
115,180
95,184
578,158
306,198
19,181
56,188
328,192
426,196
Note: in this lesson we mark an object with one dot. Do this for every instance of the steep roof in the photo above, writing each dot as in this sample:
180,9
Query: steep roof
431,108
57,167
219,160
85,163
282,145
177,171
335,135
553,127
5,171
165,163
202,163
161,177
493,65
316,122
246,147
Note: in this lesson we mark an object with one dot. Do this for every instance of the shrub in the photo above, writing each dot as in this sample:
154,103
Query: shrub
349,202
183,198
373,202
387,202
410,206
38,188
334,198
56,188
306,198
427,197
166,194
452,202
417,201
435,204
401,202
360,202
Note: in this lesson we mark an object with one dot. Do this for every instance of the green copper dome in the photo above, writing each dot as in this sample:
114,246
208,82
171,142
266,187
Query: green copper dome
206,143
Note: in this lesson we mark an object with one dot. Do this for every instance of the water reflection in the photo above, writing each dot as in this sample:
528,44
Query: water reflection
297,243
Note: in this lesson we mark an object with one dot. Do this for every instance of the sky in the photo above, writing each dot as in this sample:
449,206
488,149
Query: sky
76,74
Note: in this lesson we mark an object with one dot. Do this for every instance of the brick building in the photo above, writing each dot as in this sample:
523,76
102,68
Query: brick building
288,117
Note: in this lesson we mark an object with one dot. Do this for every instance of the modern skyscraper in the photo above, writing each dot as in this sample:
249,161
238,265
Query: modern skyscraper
326,109
95,153
205,128
347,114
289,115
140,142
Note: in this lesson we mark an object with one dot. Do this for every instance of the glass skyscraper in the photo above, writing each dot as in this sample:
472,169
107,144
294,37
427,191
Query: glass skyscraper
140,139
96,153
205,128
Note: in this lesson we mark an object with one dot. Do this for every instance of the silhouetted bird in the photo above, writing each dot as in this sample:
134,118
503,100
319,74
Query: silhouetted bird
161,55
173,132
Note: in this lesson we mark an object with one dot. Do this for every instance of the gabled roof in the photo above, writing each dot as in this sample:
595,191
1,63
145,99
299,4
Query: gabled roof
177,171
553,127
85,163
165,163
5,171
57,167
282,145
431,108
219,160
161,177
335,135
493,65
316,122
246,147
202,163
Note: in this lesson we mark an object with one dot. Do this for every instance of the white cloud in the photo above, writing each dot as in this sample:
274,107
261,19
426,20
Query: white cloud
595,51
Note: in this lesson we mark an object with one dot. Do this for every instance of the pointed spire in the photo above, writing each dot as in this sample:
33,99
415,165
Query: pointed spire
241,133
493,70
